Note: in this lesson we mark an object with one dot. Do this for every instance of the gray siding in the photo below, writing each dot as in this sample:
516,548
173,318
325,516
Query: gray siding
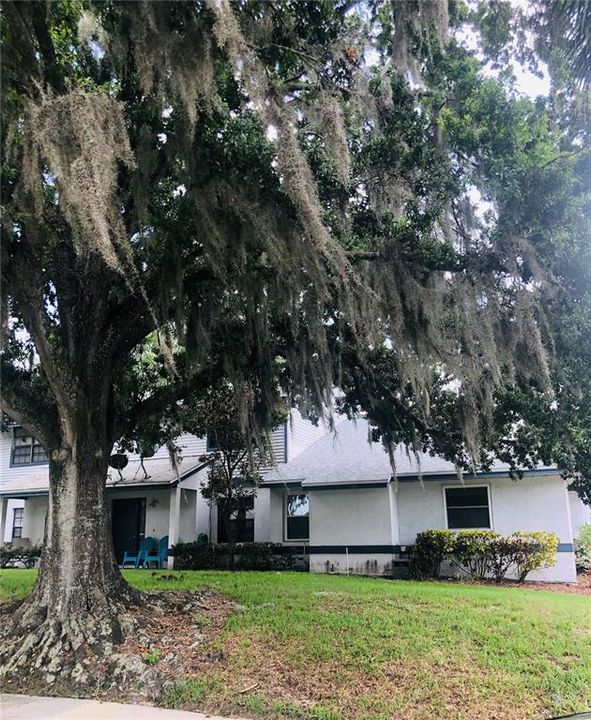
277,441
301,433
8,473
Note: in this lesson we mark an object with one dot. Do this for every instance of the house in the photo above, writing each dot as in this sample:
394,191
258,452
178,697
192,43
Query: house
358,519
329,495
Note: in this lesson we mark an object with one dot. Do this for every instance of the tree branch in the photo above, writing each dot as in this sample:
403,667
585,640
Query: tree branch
22,407
354,255
162,399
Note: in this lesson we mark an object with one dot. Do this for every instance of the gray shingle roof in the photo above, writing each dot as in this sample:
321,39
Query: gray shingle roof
159,471
348,458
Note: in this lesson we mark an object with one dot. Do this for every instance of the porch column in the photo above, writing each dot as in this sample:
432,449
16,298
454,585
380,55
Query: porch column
3,509
174,521
262,512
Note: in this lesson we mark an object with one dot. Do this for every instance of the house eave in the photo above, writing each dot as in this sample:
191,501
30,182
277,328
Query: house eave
110,487
402,478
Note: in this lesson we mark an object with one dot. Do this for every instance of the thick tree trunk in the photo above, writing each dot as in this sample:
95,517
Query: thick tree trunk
78,606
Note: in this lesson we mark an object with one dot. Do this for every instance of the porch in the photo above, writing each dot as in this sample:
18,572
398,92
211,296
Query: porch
149,501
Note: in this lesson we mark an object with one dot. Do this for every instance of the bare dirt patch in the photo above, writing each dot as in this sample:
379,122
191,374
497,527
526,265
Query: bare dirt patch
176,629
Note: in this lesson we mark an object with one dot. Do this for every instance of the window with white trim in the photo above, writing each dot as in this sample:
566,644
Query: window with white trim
297,517
26,450
17,522
467,508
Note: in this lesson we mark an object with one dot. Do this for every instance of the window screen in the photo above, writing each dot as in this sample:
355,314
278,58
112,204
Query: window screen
298,517
467,507
25,449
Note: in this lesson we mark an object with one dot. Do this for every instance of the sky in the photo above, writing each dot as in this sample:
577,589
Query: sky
527,83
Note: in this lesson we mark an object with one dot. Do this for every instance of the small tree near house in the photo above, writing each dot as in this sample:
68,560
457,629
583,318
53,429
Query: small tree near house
235,455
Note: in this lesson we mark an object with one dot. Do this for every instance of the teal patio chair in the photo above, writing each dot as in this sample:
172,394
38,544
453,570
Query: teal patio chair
131,556
158,555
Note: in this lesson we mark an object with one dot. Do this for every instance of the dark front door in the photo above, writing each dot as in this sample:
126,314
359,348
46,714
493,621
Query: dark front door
129,525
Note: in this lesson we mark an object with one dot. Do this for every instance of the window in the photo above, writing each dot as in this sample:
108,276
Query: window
467,507
17,523
211,444
241,524
25,449
298,517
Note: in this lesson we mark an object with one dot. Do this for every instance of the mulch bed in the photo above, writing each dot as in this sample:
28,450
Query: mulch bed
581,587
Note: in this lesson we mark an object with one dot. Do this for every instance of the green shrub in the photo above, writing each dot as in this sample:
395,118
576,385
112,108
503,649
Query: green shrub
484,553
192,556
503,550
583,549
11,555
472,552
248,556
431,548
264,556
538,550
152,657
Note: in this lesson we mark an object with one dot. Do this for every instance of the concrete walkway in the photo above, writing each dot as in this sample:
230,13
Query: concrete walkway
24,707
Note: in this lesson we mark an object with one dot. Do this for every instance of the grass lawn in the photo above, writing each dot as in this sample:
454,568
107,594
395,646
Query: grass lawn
317,647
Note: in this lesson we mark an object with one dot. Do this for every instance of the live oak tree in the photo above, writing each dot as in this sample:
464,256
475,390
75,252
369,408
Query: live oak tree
273,191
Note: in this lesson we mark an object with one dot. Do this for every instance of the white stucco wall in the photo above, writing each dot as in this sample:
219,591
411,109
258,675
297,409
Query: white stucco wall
187,532
204,516
343,517
11,505
367,564
537,502
262,515
276,515
349,517
580,514
533,503
34,519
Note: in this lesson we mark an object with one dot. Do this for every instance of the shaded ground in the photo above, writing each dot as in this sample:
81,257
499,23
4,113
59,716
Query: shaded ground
333,648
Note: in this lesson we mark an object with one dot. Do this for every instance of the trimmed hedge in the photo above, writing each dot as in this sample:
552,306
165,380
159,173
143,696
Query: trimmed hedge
248,556
534,550
483,554
473,552
12,555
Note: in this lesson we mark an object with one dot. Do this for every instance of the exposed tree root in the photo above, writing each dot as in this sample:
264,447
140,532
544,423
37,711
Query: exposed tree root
103,654
81,653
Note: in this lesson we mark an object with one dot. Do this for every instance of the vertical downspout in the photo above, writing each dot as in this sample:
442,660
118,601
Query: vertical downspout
393,508
3,514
